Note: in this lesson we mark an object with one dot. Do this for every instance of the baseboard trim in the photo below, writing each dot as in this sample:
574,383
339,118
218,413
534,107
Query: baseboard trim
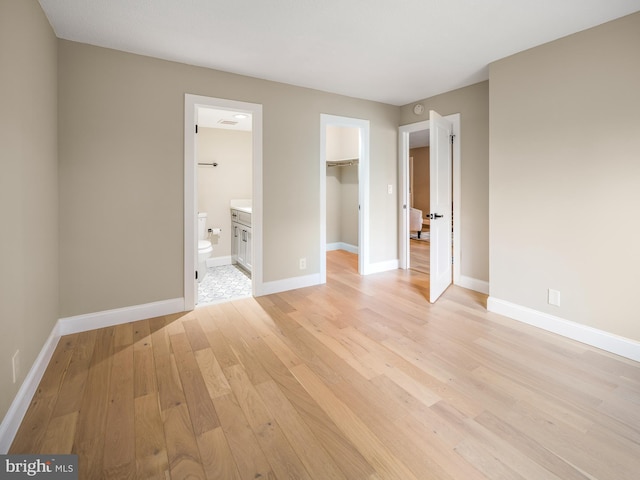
625,347
381,267
22,400
342,246
218,261
474,284
109,318
289,284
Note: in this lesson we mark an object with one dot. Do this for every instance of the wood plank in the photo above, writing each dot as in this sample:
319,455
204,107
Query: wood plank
169,384
209,322
31,435
73,385
216,455
195,334
201,410
376,453
90,431
214,378
42,405
182,447
60,433
315,458
151,450
144,381
119,443
246,451
284,462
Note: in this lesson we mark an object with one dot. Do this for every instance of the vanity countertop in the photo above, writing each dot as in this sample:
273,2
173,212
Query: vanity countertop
242,209
244,205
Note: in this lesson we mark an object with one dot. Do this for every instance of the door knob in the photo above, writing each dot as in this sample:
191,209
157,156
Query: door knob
435,215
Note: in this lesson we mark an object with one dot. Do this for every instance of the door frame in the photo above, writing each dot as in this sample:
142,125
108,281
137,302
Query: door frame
403,160
363,190
191,105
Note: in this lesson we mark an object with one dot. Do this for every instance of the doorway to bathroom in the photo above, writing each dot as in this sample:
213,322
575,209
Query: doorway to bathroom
224,171
223,221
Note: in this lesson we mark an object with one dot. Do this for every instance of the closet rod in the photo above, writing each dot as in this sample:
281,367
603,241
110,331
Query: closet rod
343,163
214,164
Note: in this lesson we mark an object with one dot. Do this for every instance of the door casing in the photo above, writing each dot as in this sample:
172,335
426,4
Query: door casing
191,105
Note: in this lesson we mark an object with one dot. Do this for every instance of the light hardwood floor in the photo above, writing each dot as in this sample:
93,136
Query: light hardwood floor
419,255
358,379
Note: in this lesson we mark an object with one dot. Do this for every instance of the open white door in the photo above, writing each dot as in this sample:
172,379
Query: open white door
441,205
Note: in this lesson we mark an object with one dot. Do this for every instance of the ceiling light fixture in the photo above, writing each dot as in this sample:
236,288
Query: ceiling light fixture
240,116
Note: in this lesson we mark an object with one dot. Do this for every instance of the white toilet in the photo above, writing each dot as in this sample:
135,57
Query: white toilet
204,246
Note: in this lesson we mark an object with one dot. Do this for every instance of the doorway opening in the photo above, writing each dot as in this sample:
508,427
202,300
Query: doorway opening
418,132
224,204
223,176
344,186
418,202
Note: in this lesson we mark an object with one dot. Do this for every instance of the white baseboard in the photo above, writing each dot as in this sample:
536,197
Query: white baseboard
381,267
66,326
218,261
108,318
625,347
342,246
473,284
289,284
22,400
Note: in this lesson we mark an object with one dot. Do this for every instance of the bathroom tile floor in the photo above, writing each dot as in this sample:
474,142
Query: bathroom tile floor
224,283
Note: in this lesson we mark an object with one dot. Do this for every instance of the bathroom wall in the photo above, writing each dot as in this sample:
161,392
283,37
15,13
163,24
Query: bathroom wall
28,189
231,179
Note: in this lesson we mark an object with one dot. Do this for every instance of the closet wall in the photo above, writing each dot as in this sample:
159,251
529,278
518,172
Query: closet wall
343,143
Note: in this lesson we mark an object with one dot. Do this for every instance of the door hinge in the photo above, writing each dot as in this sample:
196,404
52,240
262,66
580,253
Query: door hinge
452,136
196,128
196,274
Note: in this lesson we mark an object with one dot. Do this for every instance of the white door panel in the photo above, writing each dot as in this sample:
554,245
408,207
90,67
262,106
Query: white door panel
441,205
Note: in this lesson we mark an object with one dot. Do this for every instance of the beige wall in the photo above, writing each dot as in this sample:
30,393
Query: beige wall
343,143
342,205
565,177
121,174
231,179
349,205
472,103
28,188
334,195
421,176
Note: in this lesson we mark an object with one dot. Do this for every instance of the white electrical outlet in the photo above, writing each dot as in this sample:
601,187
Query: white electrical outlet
389,189
303,264
15,365
554,297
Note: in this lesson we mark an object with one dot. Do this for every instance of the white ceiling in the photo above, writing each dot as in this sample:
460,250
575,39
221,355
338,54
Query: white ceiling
395,52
